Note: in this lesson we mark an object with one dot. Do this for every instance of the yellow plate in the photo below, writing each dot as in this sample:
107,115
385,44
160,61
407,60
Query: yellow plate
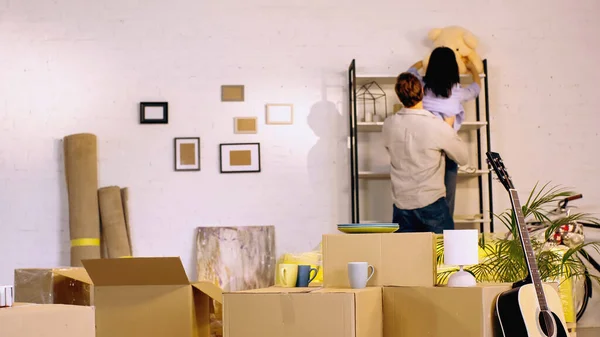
368,229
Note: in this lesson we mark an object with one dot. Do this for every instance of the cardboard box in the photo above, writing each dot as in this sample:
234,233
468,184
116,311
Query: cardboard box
303,312
49,286
400,259
442,311
47,320
141,297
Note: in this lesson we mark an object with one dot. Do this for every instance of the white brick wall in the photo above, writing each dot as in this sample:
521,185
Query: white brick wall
83,66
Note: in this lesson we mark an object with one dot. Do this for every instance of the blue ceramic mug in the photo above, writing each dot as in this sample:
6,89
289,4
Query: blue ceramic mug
304,277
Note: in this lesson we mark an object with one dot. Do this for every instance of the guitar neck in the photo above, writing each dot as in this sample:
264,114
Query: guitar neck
527,249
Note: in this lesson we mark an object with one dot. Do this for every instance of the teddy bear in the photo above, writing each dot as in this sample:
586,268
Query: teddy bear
461,41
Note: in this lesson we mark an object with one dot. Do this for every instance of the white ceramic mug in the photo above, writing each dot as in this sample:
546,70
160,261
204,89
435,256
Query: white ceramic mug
7,296
358,274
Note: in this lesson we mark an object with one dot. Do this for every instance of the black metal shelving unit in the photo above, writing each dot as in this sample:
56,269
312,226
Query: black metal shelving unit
353,142
355,126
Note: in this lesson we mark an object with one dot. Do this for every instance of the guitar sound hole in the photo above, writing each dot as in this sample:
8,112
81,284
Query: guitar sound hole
546,321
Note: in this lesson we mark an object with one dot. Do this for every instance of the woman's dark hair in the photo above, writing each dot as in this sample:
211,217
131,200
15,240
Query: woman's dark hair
442,72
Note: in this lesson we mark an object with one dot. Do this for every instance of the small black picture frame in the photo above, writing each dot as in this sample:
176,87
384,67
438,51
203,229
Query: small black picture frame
186,158
154,113
249,152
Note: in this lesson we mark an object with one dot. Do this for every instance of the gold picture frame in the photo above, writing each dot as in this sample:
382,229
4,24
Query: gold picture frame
232,93
245,125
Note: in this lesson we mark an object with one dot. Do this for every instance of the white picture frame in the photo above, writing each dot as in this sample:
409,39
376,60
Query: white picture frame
279,114
187,154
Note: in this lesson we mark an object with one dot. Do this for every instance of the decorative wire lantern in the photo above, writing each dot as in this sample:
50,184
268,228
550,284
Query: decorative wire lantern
371,92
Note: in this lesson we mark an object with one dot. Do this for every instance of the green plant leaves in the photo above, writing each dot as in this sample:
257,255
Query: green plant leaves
505,259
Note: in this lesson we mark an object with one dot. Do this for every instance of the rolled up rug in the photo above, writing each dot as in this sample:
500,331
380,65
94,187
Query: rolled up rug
81,173
125,200
113,222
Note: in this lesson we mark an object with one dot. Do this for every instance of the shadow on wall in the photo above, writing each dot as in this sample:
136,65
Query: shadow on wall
327,162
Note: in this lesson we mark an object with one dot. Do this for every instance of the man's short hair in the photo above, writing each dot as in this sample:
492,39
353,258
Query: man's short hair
409,89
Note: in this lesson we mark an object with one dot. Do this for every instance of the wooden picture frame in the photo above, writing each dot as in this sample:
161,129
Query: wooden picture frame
245,125
154,113
279,114
239,158
232,93
187,154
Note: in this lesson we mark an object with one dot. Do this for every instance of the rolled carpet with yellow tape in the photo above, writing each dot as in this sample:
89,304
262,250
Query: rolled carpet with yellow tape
81,173
113,222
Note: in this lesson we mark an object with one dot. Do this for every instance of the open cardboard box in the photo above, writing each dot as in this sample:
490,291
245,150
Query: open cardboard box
137,297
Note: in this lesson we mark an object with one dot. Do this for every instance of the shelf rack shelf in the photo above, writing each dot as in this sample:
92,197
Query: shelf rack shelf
377,126
391,78
386,175
480,125
470,218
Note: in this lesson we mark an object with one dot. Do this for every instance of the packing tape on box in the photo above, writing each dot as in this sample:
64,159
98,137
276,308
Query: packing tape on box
85,242
287,310
7,296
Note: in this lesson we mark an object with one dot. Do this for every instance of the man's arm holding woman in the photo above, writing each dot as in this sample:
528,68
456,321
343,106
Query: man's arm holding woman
453,145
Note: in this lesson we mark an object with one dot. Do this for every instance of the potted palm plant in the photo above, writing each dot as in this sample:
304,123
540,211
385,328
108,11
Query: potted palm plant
502,259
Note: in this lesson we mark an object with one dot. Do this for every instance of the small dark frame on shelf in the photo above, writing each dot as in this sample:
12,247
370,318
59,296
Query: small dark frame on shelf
154,113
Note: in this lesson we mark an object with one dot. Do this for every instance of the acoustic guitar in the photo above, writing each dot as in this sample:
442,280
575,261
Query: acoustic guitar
530,308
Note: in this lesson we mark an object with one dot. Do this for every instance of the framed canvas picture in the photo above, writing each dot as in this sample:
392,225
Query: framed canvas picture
154,113
187,154
235,259
240,157
280,114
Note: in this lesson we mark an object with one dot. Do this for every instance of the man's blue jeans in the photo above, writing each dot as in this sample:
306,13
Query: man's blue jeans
431,218
450,182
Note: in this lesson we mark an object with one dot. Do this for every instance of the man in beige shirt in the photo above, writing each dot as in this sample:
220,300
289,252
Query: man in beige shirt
416,141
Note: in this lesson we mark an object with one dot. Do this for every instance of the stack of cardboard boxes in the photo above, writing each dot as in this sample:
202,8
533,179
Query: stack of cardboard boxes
401,299
152,297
